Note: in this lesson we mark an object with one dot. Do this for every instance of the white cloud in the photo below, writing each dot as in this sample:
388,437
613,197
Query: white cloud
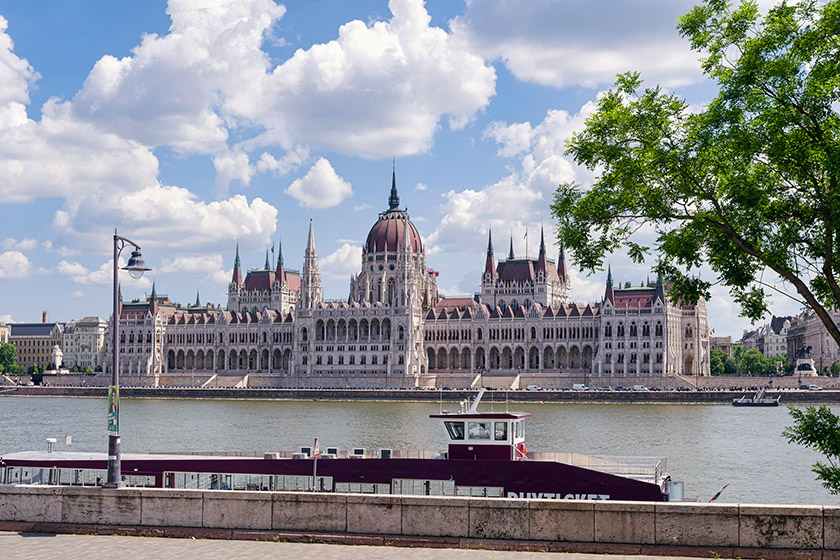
14,264
565,44
78,294
25,244
519,200
169,217
378,90
421,187
63,251
362,207
204,264
219,277
7,318
43,159
343,262
320,188
16,77
104,275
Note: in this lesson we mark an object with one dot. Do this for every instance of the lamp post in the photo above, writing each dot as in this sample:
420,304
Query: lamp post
135,267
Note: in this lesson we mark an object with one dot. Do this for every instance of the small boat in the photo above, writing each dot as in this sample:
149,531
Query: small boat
759,399
486,457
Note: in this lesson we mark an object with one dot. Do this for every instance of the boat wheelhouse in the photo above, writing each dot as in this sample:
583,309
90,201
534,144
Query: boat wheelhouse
486,456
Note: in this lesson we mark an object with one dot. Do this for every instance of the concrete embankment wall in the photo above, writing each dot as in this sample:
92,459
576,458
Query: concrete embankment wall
699,397
727,530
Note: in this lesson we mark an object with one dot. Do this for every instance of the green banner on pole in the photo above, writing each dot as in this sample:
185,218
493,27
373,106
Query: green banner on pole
113,410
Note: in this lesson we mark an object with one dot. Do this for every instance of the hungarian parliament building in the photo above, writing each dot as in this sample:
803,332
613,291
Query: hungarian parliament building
396,330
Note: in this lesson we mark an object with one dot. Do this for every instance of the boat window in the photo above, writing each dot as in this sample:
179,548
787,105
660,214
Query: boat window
479,430
419,487
500,433
486,491
455,429
362,488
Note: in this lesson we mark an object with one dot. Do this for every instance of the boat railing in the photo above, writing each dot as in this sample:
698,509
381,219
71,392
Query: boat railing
646,469
342,454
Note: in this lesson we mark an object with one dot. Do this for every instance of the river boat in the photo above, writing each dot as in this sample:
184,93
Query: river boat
760,398
486,456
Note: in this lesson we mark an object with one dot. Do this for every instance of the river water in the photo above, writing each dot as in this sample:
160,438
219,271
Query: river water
706,446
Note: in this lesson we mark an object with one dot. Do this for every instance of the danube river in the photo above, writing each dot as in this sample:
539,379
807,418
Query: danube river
707,446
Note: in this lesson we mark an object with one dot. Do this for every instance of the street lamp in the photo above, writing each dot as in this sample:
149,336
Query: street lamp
135,267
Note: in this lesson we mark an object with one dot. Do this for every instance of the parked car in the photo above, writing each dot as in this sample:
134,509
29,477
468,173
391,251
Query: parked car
533,388
814,388
640,388
620,388
579,387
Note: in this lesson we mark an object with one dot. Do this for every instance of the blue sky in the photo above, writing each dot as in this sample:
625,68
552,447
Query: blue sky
191,125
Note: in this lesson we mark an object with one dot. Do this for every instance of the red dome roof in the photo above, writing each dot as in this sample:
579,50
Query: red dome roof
388,234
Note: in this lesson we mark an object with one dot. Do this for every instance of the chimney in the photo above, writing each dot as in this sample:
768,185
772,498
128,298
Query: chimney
43,316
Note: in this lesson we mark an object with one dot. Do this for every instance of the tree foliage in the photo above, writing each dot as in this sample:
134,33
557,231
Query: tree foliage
819,429
8,357
749,183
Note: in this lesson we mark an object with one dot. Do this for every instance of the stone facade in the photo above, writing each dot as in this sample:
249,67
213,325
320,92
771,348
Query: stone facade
395,329
35,341
808,338
83,342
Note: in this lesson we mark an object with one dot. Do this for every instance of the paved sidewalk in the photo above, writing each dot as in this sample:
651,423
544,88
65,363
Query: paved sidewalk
47,546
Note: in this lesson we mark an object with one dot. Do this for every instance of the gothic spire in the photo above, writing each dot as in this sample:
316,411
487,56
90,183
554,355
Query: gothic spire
561,265
310,288
237,269
280,273
542,262
267,263
609,293
510,256
489,265
153,301
197,299
394,199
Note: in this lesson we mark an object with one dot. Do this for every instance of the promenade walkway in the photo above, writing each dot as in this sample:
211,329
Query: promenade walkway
46,546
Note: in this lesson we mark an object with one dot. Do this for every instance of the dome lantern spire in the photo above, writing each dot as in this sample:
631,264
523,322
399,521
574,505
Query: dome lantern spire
394,199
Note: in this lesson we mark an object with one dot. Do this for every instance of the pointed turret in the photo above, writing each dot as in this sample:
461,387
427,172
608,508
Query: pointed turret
660,288
237,270
490,264
310,282
510,255
394,199
280,273
267,263
609,293
561,265
197,299
153,301
542,262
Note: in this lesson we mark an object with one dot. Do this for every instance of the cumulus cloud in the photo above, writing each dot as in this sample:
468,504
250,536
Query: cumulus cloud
343,262
16,77
381,89
78,294
26,244
565,44
7,318
170,217
320,188
421,187
14,265
520,199
103,275
204,264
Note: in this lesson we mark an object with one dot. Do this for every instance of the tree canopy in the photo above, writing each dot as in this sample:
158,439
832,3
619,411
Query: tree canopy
819,429
746,184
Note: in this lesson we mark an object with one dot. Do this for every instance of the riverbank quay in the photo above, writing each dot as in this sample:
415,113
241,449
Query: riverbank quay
788,396
42,546
593,527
